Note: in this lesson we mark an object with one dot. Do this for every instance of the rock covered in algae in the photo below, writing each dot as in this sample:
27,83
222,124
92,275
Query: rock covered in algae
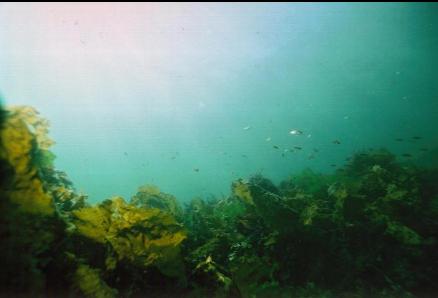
145,237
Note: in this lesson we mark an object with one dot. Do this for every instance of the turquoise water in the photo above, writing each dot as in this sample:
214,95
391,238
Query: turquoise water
187,96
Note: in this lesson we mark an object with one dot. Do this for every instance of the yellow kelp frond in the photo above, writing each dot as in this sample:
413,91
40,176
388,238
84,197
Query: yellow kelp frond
309,213
92,222
150,196
38,125
90,284
241,190
145,237
19,144
66,198
166,253
338,192
215,278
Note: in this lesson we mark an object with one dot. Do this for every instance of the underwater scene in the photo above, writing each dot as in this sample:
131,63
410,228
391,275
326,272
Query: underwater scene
243,150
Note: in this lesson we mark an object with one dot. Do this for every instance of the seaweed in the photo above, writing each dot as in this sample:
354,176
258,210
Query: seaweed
368,231
150,196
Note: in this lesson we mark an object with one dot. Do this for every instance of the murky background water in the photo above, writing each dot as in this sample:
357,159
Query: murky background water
192,96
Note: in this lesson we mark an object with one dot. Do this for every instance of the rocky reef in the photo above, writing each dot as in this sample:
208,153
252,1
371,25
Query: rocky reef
368,230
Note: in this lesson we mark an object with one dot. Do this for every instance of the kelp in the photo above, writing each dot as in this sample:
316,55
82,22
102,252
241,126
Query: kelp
370,230
90,284
362,231
213,280
29,225
150,196
44,218
145,237
19,147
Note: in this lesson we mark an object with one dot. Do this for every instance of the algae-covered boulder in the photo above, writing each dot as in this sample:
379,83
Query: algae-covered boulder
144,237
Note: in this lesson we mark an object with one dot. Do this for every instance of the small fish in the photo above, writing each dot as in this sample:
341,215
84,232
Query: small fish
348,159
315,150
173,158
337,142
346,117
125,153
416,138
333,165
295,132
247,127
406,155
399,140
309,135
282,155
424,149
275,147
311,156
285,150
196,169
298,147
268,139
243,155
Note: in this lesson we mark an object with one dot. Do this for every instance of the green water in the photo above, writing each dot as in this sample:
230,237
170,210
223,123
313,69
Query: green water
293,148
363,74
